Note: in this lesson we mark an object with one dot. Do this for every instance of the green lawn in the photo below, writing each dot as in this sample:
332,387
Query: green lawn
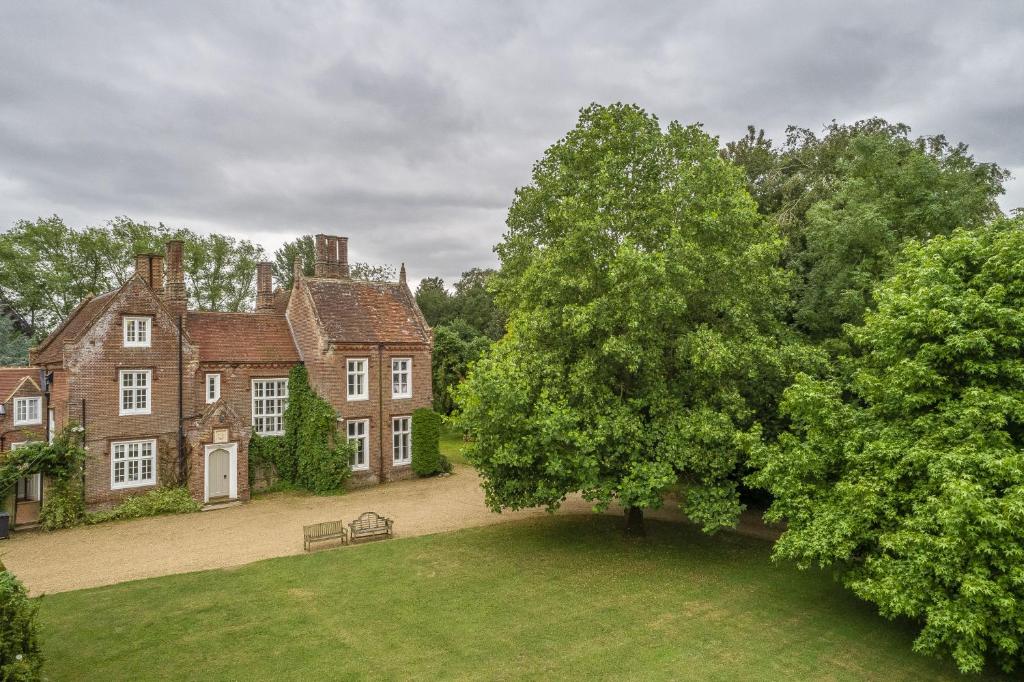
452,444
554,598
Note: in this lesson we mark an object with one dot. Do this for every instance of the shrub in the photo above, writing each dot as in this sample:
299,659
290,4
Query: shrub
20,657
427,459
63,505
906,469
168,500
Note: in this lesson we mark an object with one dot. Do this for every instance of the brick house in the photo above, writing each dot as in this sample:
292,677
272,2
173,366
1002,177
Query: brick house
168,395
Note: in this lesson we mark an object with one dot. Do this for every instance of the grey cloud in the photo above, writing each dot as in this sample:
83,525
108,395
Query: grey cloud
408,126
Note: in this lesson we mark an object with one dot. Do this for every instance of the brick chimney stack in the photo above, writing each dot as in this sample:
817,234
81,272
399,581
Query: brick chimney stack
264,287
175,296
156,271
151,267
331,257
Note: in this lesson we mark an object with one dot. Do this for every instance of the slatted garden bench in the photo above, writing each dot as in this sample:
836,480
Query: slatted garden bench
328,530
370,525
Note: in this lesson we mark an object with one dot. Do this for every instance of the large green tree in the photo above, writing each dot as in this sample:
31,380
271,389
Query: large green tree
643,293
905,470
848,200
14,344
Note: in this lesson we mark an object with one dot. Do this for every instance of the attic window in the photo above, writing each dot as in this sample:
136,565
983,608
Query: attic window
27,411
136,332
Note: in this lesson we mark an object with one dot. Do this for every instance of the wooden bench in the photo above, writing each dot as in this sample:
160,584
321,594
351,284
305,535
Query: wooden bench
370,525
328,530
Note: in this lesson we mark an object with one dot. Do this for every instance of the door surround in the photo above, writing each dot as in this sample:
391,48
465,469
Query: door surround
232,449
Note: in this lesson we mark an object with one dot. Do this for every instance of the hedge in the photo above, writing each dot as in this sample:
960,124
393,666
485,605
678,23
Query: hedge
427,459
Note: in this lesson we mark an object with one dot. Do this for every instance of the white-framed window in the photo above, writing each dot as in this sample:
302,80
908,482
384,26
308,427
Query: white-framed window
51,425
28,411
132,463
359,432
212,388
136,332
135,394
269,400
401,377
358,386
401,437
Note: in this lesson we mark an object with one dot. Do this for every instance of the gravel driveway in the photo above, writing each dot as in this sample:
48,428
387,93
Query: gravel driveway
266,527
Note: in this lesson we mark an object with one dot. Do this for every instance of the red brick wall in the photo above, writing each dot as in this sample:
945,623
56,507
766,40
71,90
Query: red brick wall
328,375
93,364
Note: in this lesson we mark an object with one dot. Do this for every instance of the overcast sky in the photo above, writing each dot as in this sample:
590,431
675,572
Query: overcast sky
408,126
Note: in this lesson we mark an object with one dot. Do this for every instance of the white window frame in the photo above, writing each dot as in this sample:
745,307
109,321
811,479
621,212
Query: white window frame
137,326
51,424
148,409
398,372
127,459
364,373
263,414
401,449
364,437
28,420
215,386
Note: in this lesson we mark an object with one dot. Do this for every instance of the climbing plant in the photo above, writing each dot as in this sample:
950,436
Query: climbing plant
62,462
309,454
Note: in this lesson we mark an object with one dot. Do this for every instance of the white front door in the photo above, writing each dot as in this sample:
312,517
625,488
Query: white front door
220,468
221,471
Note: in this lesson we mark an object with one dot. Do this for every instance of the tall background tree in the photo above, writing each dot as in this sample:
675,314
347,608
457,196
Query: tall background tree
465,324
48,267
633,348
847,202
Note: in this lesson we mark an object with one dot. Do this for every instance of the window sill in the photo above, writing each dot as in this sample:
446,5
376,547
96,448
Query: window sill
38,423
401,464
133,484
357,399
134,414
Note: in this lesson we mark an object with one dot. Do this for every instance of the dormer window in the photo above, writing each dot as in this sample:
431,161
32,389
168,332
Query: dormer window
137,332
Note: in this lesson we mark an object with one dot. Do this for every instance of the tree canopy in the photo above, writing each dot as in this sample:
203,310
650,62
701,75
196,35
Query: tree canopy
906,468
849,200
48,267
632,344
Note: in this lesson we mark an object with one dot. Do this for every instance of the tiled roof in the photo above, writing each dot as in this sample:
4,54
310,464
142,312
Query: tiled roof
52,347
10,377
241,337
354,311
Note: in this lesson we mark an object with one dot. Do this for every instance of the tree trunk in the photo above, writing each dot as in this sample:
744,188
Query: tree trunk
635,522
